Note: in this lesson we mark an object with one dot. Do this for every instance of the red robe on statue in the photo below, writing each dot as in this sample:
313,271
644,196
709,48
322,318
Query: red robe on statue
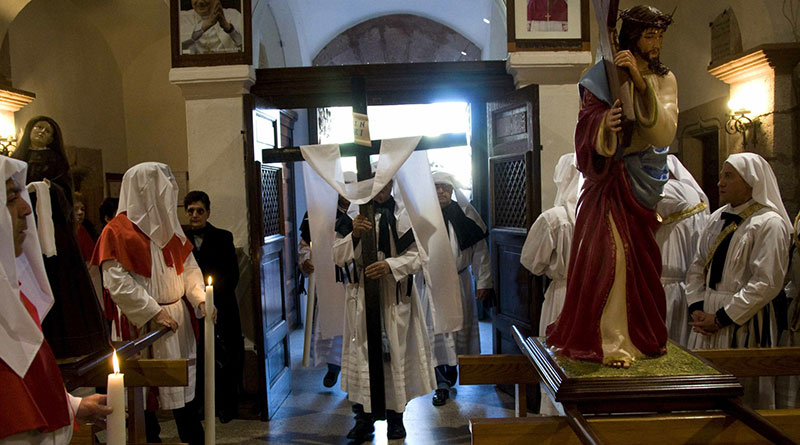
576,332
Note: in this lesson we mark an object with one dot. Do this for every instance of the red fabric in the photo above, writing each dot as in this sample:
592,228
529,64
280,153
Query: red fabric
606,191
38,401
85,243
121,240
539,9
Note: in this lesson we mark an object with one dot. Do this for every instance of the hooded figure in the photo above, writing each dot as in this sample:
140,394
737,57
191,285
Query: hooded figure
740,266
547,246
34,406
683,212
148,267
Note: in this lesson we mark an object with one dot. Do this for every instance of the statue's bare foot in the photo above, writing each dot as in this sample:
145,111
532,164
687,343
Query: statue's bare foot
624,364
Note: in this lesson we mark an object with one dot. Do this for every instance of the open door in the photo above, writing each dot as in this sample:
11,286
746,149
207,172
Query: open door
515,198
270,257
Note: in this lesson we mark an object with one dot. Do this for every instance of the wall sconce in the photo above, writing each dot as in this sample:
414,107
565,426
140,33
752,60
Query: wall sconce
739,122
7,145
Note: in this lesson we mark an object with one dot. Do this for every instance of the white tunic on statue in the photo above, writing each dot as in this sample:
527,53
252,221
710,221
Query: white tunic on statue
546,252
323,350
684,216
409,373
752,276
141,298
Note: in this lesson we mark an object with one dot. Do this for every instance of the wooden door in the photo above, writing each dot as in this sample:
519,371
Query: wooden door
515,191
268,251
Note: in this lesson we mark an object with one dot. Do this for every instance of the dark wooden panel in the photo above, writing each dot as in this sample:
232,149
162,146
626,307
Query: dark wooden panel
385,84
275,361
271,291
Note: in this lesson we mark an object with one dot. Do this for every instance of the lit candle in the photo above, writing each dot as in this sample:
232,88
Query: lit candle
209,365
310,302
115,429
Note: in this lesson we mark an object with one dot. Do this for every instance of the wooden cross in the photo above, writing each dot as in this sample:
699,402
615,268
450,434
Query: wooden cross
369,251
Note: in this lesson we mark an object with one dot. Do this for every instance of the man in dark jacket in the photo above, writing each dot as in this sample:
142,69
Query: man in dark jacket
216,255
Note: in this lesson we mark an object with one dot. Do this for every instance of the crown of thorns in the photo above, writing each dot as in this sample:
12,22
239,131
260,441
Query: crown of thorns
662,21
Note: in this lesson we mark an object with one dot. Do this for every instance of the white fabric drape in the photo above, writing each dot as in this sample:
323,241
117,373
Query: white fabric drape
20,338
149,195
44,217
758,174
417,193
683,175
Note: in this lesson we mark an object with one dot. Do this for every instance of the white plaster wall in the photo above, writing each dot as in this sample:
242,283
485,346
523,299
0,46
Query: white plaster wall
559,106
267,47
67,63
216,160
155,114
307,26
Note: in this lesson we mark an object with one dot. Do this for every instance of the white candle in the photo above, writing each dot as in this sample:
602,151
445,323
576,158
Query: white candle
115,429
210,425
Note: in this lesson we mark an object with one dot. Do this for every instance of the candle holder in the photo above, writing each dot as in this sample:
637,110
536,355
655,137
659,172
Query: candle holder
738,122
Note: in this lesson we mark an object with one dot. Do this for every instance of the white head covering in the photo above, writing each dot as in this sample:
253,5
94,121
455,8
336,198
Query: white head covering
20,338
758,174
463,202
567,179
683,175
149,194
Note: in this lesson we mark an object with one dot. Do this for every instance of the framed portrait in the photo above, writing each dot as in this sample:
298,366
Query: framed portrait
182,179
113,184
548,25
211,32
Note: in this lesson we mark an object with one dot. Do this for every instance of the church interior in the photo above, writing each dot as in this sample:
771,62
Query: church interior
112,75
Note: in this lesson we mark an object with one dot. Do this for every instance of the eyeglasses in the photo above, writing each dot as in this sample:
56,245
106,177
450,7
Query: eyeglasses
199,211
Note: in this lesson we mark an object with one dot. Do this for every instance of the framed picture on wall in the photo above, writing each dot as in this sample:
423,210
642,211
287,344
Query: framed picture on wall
182,178
537,25
211,32
113,184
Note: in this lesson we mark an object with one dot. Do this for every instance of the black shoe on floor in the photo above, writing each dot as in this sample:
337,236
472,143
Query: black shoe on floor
226,416
363,428
395,430
440,396
330,378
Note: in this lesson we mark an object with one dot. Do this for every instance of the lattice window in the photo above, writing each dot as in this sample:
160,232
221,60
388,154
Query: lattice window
510,200
270,199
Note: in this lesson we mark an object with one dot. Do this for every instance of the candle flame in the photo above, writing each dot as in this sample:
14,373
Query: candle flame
311,245
115,362
209,280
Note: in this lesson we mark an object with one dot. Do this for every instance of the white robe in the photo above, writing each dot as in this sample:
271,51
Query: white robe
409,373
678,242
752,276
546,252
473,261
141,298
323,350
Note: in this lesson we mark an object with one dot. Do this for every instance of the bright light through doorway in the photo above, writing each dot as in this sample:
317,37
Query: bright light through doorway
394,121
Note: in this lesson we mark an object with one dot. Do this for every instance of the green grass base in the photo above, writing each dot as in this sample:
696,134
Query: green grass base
675,362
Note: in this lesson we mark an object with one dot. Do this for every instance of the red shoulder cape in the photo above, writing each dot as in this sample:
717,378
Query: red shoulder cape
38,401
606,191
122,241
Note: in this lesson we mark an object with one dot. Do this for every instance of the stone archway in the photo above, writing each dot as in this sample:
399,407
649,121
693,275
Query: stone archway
397,38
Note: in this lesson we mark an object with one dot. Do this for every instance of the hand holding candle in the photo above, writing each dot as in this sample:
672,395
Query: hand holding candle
210,425
115,434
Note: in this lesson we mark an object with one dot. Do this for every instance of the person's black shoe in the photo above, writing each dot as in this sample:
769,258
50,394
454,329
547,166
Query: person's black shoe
395,430
440,396
363,428
226,416
330,378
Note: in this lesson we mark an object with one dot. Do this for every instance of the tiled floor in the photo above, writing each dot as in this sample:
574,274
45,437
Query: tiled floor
313,414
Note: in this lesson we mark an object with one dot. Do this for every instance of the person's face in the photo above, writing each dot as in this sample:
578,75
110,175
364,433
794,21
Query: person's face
384,194
18,209
649,44
80,212
732,188
443,193
203,7
198,214
41,134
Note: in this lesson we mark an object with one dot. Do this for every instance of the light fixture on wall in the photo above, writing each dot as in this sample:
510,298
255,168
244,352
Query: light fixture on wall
7,145
739,122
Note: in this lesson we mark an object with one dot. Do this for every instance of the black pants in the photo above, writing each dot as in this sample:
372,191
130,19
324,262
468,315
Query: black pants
187,419
391,415
446,376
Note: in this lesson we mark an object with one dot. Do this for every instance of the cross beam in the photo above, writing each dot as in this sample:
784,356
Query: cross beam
369,251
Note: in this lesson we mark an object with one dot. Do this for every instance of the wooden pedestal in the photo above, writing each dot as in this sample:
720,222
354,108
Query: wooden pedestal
697,387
